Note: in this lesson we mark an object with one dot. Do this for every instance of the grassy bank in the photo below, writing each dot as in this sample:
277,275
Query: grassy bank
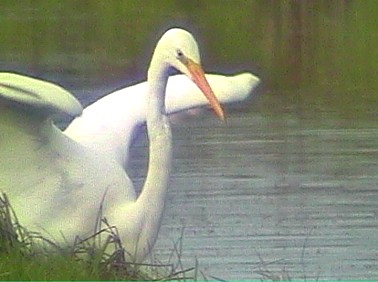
26,255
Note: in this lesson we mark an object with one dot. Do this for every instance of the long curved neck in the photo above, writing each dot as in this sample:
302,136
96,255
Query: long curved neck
152,198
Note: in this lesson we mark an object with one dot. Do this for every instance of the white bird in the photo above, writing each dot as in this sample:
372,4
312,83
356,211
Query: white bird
108,125
56,185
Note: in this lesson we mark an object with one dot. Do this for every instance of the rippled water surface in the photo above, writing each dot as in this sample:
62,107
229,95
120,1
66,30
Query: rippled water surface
278,195
287,195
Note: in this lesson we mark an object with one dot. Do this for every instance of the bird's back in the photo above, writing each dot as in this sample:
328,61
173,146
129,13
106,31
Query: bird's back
54,184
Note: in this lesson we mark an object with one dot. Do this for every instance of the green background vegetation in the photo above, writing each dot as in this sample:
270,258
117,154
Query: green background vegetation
313,56
313,53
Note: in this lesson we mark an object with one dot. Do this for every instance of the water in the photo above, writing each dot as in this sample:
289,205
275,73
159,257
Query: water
274,195
280,190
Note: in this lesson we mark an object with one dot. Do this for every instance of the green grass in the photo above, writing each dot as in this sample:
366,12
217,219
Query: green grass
26,255
17,266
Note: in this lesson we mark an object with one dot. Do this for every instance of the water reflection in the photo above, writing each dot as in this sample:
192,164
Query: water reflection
325,45
300,195
289,180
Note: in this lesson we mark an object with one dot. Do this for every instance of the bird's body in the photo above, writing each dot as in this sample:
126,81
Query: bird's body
58,186
55,184
52,181
108,125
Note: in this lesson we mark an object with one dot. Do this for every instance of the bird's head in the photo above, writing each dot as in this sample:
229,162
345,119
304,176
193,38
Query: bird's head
178,49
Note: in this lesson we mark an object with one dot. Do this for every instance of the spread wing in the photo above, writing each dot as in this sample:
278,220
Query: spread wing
109,124
36,95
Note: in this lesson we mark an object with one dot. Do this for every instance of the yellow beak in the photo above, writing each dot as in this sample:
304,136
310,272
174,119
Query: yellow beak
198,77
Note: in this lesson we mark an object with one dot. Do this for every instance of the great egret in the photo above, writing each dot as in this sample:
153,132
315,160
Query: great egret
57,185
108,124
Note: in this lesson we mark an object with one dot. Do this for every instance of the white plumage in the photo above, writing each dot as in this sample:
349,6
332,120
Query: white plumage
57,181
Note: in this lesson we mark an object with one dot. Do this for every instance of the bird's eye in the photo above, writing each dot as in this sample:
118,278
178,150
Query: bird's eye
179,54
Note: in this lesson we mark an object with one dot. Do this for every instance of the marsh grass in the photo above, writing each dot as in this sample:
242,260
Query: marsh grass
26,255
263,269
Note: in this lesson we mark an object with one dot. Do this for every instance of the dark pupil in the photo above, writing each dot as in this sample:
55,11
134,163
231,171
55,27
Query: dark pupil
179,53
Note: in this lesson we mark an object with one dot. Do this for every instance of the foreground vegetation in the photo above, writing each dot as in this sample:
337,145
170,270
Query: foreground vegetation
26,255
